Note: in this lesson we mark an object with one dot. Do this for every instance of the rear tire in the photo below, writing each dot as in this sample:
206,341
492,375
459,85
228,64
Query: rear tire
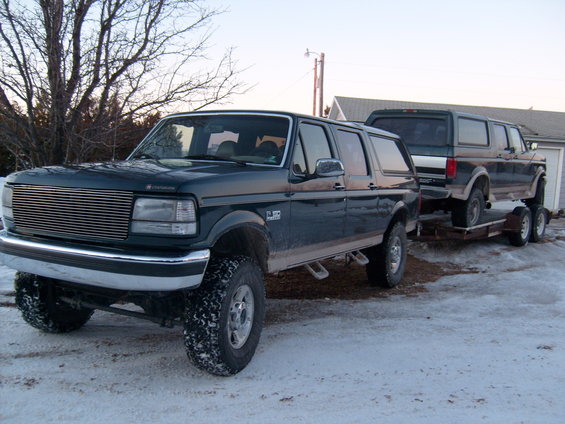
539,223
521,237
387,261
224,317
468,213
36,298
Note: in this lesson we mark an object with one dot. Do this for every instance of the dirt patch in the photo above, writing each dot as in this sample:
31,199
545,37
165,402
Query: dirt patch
349,281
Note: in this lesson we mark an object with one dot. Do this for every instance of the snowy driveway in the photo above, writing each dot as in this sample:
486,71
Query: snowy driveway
482,346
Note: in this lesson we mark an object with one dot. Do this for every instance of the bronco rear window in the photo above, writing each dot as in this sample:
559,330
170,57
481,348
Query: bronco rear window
415,130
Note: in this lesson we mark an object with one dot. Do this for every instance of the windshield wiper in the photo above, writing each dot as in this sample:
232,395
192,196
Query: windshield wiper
214,157
146,156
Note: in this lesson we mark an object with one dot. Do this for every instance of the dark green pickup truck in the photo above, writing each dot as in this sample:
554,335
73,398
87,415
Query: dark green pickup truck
207,203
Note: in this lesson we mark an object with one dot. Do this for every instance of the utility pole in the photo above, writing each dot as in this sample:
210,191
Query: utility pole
315,86
318,82
321,86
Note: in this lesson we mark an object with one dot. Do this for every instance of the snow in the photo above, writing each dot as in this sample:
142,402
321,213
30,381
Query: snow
485,345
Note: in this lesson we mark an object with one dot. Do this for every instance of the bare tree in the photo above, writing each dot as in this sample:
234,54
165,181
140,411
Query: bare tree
72,71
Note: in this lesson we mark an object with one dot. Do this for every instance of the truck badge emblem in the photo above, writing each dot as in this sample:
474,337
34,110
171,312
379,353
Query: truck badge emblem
273,215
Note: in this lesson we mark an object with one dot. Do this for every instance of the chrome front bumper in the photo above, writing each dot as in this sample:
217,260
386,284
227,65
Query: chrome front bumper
112,270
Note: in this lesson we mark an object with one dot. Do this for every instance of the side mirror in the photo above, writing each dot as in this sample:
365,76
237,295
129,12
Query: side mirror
533,146
329,168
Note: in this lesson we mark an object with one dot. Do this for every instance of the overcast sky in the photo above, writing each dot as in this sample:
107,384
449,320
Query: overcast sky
504,53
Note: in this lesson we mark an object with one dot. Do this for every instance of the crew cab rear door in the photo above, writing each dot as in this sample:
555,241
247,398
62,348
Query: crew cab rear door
360,185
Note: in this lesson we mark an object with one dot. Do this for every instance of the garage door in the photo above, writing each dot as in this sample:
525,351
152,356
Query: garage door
554,157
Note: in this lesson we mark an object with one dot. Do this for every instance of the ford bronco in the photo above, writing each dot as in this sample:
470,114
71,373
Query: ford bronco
466,161
186,227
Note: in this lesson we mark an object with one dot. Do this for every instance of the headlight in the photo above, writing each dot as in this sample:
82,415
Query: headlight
164,216
7,194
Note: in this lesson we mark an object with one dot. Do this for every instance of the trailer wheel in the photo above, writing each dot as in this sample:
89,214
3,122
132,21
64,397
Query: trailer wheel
388,260
521,237
539,223
37,301
224,317
468,213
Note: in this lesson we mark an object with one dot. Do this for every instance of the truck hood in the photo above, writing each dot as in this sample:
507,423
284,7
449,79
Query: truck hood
166,176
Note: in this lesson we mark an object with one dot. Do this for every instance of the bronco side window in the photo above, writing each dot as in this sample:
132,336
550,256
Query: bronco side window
473,132
312,145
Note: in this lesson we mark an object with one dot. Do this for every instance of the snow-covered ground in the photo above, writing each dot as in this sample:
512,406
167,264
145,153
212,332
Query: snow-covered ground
486,345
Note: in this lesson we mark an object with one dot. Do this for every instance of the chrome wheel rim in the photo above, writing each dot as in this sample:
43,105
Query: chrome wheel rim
474,212
242,310
395,254
525,227
540,225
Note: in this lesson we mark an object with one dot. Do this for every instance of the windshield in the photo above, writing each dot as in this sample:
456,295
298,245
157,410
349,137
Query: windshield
258,139
415,130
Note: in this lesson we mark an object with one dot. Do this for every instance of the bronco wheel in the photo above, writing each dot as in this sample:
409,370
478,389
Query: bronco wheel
388,260
224,317
468,213
36,298
539,223
521,237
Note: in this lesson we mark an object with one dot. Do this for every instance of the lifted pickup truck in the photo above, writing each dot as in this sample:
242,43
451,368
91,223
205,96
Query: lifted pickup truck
186,227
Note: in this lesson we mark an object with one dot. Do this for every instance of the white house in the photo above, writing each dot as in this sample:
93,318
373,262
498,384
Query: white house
542,127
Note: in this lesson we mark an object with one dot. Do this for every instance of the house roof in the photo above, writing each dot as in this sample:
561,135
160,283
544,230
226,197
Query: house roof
531,122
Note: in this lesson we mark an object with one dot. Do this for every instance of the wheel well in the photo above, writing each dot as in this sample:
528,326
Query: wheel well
246,240
399,216
483,184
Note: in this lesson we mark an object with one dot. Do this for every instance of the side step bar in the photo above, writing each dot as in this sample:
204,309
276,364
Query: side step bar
319,272
358,257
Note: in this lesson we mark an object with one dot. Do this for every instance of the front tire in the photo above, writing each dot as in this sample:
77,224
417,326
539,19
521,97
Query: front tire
224,317
36,298
468,213
388,260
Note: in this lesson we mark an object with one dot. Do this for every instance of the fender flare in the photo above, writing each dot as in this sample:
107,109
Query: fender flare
233,220
540,173
477,173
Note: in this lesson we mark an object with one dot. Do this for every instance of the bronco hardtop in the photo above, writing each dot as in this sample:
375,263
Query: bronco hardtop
466,161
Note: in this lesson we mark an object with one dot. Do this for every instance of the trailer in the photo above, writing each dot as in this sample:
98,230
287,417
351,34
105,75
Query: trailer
521,225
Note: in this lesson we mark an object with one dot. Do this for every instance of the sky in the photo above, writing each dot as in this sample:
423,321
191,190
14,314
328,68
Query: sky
487,52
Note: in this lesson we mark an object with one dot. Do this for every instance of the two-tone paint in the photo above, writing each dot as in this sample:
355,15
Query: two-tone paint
503,173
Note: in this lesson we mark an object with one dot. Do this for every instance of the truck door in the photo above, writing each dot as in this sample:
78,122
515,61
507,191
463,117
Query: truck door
360,186
502,179
524,168
317,203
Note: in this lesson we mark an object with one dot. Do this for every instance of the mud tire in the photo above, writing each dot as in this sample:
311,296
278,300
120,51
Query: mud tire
36,298
209,335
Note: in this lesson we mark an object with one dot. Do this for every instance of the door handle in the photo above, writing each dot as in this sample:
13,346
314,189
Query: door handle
372,186
338,186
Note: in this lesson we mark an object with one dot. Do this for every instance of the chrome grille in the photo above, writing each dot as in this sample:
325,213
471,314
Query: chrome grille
66,211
